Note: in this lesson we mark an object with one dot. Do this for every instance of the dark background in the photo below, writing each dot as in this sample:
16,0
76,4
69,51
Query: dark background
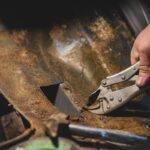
40,13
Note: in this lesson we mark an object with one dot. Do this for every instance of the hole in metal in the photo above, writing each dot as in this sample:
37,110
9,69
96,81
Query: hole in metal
60,100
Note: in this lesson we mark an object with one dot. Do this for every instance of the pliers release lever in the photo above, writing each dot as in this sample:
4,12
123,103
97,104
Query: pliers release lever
105,99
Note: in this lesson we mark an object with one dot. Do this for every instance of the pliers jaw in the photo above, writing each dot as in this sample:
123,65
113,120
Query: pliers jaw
104,100
97,103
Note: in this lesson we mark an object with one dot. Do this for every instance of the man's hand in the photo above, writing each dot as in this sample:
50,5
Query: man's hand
141,51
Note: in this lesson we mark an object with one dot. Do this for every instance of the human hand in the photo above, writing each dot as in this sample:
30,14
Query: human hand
141,51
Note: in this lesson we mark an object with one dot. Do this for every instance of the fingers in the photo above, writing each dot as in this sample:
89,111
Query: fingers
144,71
144,76
134,55
141,51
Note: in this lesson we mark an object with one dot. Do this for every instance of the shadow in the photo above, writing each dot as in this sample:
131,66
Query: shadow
37,14
14,127
134,109
6,108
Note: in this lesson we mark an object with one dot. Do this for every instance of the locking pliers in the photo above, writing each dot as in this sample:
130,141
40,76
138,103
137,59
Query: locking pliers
105,99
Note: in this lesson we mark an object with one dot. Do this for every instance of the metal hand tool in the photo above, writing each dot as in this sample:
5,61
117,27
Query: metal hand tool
105,100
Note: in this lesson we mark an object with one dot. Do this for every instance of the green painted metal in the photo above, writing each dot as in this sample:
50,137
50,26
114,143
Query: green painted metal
47,144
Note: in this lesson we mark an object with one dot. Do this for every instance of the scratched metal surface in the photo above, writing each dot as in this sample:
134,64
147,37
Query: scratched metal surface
79,52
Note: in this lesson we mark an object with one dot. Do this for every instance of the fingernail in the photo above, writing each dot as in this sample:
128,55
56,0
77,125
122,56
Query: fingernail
140,81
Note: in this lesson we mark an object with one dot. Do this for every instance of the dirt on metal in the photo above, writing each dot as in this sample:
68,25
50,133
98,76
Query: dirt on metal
78,53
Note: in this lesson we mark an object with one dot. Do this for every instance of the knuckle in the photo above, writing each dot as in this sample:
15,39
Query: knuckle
134,54
142,48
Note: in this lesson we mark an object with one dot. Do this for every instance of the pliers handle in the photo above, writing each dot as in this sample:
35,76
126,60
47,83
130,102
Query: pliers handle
108,100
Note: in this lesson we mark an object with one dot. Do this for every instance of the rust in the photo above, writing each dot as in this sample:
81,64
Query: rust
52,128
80,54
12,125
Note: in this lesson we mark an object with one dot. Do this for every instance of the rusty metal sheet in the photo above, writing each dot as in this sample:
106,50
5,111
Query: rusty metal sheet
80,53
12,125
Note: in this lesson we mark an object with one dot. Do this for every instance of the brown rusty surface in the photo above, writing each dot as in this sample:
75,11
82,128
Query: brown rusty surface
20,78
12,125
79,53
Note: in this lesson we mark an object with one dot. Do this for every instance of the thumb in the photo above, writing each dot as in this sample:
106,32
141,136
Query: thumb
144,70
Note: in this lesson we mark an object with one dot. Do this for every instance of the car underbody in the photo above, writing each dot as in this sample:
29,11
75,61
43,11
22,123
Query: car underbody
67,54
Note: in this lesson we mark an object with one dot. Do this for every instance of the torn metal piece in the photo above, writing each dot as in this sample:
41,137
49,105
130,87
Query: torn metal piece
59,99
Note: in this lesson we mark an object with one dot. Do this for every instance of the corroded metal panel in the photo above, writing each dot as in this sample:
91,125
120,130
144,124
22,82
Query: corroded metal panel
80,53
